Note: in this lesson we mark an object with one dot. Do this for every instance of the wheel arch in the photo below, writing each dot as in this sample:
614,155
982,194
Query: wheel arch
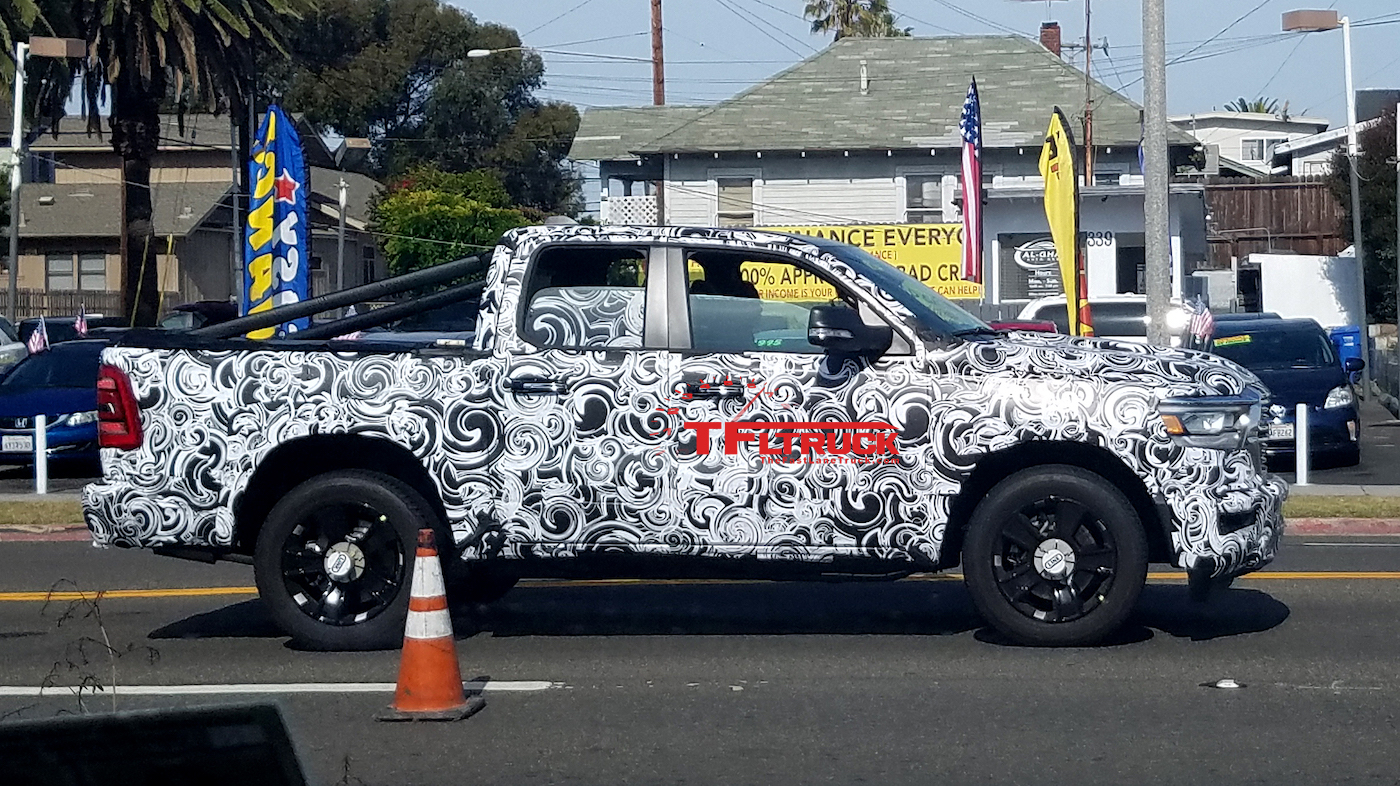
995,467
303,458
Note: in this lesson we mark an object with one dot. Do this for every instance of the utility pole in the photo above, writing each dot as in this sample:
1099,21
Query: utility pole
340,241
1397,241
1156,180
1357,243
16,156
658,62
1088,101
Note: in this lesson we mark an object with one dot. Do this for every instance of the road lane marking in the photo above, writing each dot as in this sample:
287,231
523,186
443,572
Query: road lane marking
256,688
202,592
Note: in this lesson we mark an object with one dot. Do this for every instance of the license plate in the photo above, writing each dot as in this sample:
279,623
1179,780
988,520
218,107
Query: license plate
1281,431
19,444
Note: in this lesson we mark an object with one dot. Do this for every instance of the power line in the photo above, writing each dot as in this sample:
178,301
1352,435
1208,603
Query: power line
555,19
767,34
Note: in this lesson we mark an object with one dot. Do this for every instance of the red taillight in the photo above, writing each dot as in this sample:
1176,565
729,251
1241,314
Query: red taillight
118,414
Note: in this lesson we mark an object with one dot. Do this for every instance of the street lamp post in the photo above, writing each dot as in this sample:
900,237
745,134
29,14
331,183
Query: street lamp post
37,46
1313,21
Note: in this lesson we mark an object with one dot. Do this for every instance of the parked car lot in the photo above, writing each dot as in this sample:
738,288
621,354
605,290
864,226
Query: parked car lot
61,384
1297,361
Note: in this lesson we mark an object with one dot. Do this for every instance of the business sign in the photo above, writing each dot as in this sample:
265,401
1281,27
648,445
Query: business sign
932,253
275,258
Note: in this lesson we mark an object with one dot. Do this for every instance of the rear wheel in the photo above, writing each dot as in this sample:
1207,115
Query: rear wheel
1055,555
334,559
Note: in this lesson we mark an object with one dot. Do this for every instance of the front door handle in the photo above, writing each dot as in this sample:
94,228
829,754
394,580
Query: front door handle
531,385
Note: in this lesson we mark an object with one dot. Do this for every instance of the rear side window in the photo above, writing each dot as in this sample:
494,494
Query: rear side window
1114,318
586,297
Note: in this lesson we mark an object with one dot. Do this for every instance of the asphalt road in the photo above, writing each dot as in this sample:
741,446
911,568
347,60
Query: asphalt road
776,682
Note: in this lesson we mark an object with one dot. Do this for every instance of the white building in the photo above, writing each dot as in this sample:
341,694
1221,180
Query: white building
1246,141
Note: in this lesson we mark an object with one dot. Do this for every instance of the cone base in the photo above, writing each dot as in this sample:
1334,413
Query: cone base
472,706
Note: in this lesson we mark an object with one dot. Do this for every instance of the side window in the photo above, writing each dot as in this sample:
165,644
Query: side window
586,297
742,304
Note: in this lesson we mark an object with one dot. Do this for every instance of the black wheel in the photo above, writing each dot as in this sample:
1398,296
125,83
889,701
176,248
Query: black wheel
1055,556
334,560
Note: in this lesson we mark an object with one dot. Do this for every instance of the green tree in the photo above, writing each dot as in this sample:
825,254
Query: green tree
1261,105
431,217
397,72
1376,167
857,18
143,53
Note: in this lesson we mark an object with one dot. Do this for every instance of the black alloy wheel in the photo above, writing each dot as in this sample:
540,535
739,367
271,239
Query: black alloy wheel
334,560
1055,555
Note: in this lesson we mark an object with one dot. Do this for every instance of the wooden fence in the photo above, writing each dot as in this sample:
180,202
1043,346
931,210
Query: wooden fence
1288,214
63,303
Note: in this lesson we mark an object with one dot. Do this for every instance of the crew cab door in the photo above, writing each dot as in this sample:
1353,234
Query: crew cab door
850,482
585,370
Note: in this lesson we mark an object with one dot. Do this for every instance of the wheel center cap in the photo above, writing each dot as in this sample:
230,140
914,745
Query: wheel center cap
344,562
1054,558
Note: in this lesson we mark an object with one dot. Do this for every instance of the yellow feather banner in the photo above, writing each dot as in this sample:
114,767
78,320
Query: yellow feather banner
1062,211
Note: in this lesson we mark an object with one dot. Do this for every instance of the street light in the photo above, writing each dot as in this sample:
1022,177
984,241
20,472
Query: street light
478,53
38,46
1317,21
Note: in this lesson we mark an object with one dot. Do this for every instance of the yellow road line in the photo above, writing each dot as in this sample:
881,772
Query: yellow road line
207,592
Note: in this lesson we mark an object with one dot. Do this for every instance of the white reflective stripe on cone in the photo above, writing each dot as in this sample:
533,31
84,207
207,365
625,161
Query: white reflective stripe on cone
428,625
427,579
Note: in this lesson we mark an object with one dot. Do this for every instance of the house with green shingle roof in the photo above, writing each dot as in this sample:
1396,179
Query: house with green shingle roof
866,131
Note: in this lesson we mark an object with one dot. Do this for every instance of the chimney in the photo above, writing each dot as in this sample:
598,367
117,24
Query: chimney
1050,37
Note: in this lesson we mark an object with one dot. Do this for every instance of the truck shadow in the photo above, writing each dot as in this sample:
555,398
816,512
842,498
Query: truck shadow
915,608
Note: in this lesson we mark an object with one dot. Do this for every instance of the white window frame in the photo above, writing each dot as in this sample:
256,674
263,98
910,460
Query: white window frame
950,187
713,176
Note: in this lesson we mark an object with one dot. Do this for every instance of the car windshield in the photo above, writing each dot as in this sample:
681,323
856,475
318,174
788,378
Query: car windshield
56,369
1275,349
931,309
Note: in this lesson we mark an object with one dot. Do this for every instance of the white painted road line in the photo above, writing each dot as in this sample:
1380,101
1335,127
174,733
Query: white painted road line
1354,545
493,686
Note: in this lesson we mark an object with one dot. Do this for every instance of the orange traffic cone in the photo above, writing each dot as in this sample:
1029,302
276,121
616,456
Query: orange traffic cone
430,679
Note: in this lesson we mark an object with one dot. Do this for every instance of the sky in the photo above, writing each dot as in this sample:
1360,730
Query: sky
715,48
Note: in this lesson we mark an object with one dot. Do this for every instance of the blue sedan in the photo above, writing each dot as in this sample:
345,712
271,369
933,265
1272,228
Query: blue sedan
61,384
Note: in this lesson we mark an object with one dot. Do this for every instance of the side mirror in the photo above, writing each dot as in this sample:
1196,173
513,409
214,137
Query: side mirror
1353,365
840,329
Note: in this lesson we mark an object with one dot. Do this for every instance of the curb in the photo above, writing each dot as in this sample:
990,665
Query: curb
72,534
1342,527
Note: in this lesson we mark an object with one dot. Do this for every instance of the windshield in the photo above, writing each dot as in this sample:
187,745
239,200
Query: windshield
931,309
56,369
1278,349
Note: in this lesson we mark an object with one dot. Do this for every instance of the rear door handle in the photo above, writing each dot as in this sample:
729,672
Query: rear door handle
537,386
715,391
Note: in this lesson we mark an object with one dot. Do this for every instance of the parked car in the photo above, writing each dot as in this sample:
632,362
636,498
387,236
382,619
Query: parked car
62,329
12,350
1296,360
61,384
1114,316
189,316
606,420
1033,325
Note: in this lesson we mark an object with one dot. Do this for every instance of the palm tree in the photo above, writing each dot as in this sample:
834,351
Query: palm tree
1261,105
146,54
858,18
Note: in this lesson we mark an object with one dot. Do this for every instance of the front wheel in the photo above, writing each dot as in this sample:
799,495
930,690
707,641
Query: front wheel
334,560
1055,556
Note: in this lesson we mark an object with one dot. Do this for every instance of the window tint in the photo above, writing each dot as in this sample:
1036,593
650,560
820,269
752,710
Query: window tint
587,297
738,304
1278,349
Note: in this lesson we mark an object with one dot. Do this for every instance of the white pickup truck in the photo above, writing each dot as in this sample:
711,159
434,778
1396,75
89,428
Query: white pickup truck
682,402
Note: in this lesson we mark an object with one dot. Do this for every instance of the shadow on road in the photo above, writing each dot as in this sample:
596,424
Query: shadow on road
914,608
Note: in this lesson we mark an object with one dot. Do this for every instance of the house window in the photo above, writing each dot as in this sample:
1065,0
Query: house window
735,202
92,272
923,199
59,268
367,263
1259,149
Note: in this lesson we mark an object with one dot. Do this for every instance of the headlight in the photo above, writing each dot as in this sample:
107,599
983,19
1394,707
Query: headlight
1216,422
1177,320
13,355
1339,396
77,419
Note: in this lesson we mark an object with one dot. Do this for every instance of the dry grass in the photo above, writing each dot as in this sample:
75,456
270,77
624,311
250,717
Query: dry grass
39,514
1350,507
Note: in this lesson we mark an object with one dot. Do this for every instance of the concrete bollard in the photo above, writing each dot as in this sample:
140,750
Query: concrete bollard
1300,444
41,454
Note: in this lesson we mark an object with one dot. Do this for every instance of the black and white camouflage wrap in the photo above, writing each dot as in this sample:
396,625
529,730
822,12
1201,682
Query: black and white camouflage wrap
604,467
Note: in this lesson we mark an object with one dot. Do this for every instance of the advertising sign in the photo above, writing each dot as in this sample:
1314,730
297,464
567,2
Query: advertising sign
275,258
932,253
1030,266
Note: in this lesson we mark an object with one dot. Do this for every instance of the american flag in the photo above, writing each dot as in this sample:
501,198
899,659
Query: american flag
971,128
352,336
80,324
1202,323
39,339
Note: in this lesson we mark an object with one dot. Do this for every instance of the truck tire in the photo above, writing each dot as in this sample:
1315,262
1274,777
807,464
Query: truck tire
1055,556
334,560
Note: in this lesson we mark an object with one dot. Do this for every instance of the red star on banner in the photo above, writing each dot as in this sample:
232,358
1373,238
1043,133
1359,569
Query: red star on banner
286,187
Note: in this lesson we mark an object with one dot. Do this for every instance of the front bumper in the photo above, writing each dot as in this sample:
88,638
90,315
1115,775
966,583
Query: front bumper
1330,431
79,442
1227,519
